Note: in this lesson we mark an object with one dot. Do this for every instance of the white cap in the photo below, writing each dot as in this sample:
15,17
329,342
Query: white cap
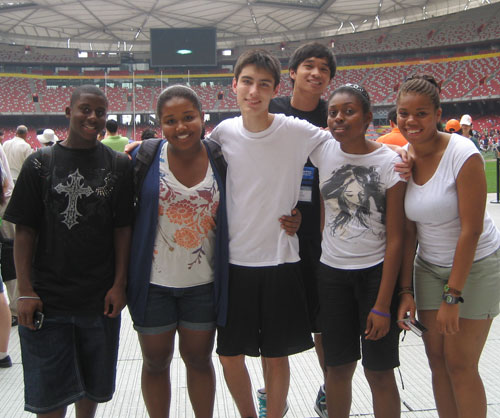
466,120
47,136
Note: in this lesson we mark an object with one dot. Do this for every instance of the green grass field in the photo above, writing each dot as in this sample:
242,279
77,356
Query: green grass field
491,173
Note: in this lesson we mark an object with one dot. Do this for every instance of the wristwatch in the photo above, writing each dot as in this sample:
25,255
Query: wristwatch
452,299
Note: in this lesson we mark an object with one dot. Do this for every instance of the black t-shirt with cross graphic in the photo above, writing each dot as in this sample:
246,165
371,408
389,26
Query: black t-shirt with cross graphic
74,201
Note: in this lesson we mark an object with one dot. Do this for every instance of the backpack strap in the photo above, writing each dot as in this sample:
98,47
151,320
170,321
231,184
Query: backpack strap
46,166
218,158
144,158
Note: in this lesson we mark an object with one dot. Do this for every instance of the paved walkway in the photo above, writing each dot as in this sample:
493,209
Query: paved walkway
416,396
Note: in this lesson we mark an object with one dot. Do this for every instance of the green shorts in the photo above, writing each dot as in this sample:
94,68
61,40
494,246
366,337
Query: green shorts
481,292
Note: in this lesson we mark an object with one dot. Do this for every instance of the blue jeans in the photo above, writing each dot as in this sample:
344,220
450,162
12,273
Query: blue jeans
69,358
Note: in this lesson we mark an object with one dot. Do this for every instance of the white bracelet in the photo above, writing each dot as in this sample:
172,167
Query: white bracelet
28,297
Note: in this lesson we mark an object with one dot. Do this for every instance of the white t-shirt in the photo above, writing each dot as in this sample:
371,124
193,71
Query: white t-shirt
353,187
184,248
434,208
263,182
17,150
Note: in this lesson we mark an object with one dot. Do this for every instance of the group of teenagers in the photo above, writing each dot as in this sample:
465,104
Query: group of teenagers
270,229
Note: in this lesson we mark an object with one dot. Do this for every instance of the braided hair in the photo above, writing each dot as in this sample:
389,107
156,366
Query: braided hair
424,85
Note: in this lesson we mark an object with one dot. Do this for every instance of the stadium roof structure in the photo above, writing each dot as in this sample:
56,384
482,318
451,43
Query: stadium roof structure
123,25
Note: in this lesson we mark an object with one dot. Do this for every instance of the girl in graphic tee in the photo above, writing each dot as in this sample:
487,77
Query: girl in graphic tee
361,254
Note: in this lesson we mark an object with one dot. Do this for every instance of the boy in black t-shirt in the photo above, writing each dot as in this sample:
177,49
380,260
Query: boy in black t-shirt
72,206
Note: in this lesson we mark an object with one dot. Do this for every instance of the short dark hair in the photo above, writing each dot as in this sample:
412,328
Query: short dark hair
87,88
313,50
147,134
392,115
177,91
111,126
261,59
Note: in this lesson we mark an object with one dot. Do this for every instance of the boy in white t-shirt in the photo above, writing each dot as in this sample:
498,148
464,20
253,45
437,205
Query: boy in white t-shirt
267,312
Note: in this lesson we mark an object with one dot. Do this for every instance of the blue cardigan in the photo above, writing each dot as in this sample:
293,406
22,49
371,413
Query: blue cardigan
143,239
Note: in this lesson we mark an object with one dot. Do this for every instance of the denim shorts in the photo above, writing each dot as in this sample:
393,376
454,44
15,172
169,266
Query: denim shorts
167,308
69,358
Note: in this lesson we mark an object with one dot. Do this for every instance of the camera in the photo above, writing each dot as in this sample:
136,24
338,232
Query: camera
415,326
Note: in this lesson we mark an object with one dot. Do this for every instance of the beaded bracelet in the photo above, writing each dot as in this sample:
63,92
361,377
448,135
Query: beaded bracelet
406,290
385,315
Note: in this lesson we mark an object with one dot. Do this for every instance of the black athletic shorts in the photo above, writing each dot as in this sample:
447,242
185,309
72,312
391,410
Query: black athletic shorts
267,313
346,298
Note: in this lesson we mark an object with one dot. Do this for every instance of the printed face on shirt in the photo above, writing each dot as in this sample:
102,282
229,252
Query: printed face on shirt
87,117
181,123
346,119
417,117
312,75
254,90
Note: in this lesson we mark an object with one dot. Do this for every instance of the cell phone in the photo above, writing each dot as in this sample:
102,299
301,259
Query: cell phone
416,327
38,320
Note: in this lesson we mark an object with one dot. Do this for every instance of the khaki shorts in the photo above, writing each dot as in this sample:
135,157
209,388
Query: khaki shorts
481,292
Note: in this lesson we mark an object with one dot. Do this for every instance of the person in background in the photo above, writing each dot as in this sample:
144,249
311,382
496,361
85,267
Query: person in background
147,134
101,135
47,138
5,315
113,139
466,125
453,126
394,137
17,150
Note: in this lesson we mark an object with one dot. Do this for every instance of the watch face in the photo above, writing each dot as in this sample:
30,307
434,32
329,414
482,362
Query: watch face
449,299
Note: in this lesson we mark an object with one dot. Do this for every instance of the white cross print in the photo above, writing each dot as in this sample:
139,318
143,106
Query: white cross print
74,190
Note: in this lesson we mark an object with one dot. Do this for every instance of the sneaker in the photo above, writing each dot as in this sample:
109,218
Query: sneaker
262,399
14,321
320,404
5,362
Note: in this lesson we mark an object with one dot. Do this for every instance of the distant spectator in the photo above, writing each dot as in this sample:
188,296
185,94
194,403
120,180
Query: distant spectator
17,150
101,135
5,319
453,126
113,139
7,230
47,138
466,125
148,134
394,137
